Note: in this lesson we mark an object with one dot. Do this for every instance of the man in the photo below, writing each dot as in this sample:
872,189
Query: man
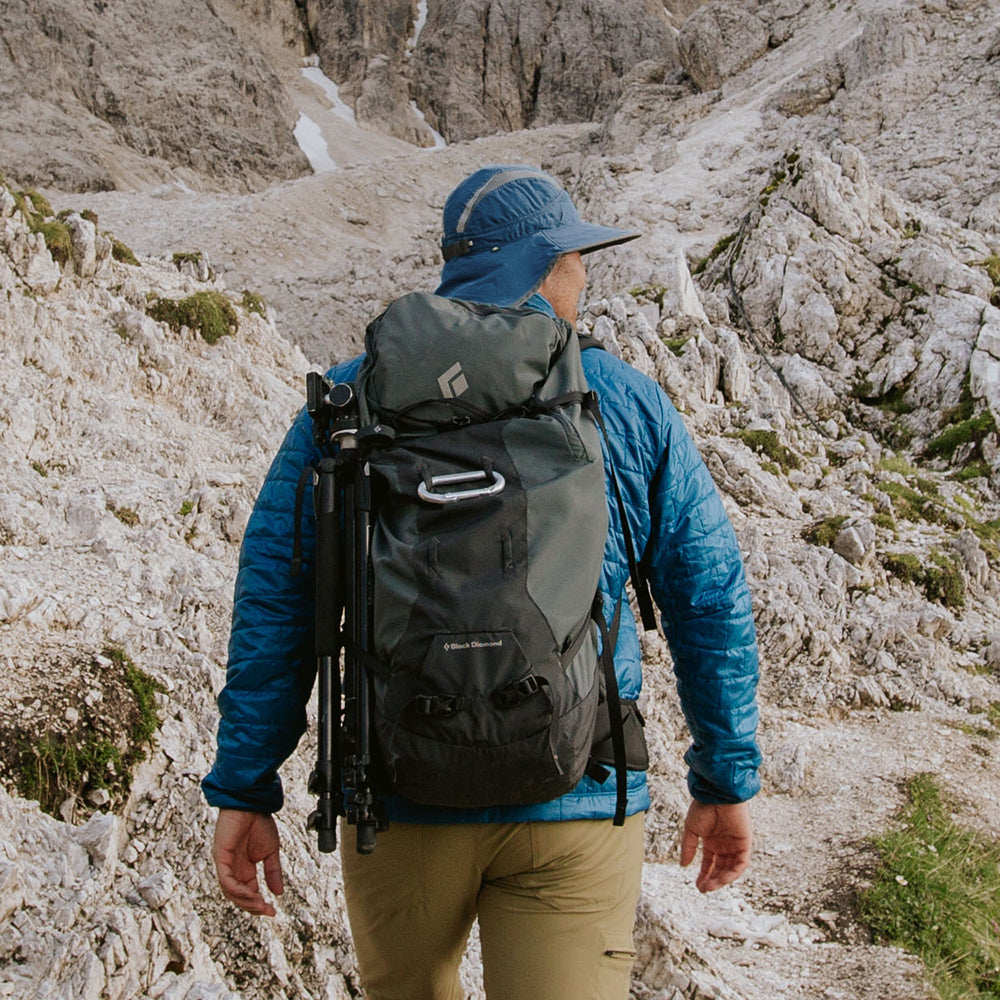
554,885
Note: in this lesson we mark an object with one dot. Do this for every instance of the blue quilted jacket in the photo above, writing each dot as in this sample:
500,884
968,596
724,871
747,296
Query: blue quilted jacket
688,551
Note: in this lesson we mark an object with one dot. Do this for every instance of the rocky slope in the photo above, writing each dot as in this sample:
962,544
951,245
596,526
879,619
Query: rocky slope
817,290
98,96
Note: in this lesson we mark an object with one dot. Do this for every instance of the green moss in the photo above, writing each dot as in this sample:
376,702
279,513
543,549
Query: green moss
767,443
974,470
39,216
39,204
824,532
883,520
57,239
974,430
941,582
649,293
903,565
122,253
253,303
774,469
126,515
912,505
209,313
189,257
911,229
55,767
40,468
717,251
186,508
676,344
929,487
145,689
892,401
936,893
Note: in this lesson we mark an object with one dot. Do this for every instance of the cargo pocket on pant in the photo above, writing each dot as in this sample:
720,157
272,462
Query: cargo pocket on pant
619,948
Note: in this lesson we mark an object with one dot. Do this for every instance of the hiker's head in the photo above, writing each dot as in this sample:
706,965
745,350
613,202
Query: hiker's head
564,285
505,229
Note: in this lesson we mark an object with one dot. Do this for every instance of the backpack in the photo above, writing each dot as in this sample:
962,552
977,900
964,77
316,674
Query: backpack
478,465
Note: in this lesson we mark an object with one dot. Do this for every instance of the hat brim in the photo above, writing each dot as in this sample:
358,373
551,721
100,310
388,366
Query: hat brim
508,274
585,237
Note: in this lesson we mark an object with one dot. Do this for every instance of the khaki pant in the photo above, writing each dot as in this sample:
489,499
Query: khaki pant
555,902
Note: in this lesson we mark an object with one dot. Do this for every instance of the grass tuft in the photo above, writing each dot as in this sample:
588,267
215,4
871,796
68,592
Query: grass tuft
254,303
974,430
54,767
941,582
123,253
209,314
936,893
767,443
824,532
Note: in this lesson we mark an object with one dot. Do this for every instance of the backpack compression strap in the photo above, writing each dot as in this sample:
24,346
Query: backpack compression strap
608,640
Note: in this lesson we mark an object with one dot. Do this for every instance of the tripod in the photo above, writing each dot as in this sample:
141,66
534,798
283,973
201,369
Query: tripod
342,499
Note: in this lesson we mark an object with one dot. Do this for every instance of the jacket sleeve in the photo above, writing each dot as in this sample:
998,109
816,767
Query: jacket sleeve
271,664
696,576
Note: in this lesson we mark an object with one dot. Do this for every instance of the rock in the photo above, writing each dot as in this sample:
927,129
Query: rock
855,542
156,890
718,40
532,63
83,235
140,104
891,370
99,836
984,365
806,381
384,102
785,768
680,296
736,379
98,797
11,890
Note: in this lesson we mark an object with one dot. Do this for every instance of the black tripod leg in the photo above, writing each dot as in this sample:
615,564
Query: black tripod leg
325,779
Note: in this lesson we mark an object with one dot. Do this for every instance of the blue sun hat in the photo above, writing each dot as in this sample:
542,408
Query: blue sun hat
504,228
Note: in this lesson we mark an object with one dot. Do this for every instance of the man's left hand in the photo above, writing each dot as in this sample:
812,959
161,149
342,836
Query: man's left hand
726,836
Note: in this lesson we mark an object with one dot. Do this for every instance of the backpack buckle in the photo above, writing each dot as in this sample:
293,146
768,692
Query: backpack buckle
516,691
435,704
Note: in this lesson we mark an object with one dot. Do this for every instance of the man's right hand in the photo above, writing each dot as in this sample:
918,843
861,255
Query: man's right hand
242,839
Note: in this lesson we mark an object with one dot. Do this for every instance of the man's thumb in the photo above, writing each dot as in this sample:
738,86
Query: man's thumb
689,847
272,873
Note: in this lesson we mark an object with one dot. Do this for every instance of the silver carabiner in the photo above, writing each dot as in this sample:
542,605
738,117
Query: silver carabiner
491,489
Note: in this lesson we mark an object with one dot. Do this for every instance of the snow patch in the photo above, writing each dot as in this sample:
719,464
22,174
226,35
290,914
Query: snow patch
309,136
418,26
439,140
315,75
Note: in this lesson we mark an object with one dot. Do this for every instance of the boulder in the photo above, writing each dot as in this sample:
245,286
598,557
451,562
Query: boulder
718,40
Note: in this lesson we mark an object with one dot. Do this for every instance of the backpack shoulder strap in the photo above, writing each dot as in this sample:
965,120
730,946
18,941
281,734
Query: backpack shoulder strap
587,341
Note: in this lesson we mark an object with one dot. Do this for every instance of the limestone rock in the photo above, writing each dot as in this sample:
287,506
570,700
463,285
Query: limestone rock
718,40
527,64
102,95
